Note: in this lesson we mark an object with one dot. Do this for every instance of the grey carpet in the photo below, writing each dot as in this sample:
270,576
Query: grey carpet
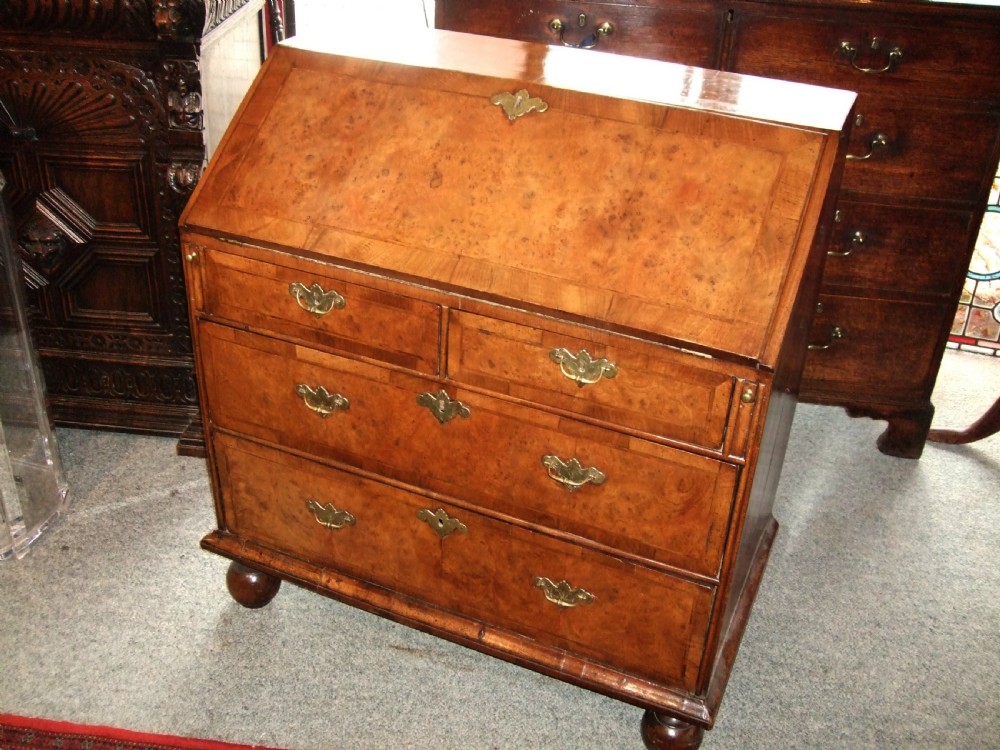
876,625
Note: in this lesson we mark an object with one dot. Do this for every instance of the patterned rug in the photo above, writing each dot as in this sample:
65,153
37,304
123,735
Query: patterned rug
20,733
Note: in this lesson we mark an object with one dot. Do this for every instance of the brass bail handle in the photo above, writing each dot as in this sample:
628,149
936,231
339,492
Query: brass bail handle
850,51
562,594
558,26
320,400
572,474
836,334
329,516
314,299
581,367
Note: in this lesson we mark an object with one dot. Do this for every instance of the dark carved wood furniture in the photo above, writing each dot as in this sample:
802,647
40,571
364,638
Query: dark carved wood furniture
924,152
107,109
502,341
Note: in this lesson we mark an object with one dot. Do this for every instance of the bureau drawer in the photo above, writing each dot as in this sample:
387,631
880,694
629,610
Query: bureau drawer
927,151
323,308
888,350
668,31
643,387
880,247
644,622
872,51
654,501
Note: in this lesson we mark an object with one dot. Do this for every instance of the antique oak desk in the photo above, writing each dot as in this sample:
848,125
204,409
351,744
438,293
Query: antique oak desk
924,148
502,341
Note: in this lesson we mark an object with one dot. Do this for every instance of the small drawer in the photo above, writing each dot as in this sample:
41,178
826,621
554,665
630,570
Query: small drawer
325,308
903,150
663,392
646,499
871,348
463,562
912,250
668,31
874,51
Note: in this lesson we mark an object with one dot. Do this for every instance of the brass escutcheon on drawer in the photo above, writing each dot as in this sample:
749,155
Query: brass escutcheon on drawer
314,299
443,407
562,593
572,474
443,524
582,368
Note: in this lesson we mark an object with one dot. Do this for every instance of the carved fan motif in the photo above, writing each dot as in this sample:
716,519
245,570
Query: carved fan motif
89,99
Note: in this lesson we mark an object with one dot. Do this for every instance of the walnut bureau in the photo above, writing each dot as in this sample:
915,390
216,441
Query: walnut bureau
505,347
920,166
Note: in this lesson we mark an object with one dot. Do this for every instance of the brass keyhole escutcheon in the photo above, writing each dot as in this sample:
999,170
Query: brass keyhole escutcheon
443,407
443,524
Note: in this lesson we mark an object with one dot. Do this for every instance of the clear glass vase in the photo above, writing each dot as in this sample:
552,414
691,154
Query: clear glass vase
33,490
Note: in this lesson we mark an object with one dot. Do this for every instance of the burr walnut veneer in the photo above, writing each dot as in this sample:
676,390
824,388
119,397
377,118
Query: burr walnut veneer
919,170
502,341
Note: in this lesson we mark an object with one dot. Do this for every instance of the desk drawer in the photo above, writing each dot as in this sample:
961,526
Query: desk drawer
926,153
920,251
639,620
626,493
663,392
886,349
902,55
325,308
669,31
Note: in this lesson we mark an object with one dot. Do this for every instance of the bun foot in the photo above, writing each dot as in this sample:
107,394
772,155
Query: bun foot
250,587
662,732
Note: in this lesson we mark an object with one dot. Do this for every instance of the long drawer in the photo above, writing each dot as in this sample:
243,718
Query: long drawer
663,392
644,498
591,604
660,30
860,51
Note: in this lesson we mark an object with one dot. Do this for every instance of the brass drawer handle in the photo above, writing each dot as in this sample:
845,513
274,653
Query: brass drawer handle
321,401
314,300
443,524
443,407
858,239
562,593
836,334
572,474
850,51
558,26
877,142
581,368
327,515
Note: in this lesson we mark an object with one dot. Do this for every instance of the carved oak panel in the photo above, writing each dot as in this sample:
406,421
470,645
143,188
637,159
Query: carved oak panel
102,142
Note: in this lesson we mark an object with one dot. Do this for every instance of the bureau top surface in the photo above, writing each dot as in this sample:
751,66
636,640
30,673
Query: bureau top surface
661,200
